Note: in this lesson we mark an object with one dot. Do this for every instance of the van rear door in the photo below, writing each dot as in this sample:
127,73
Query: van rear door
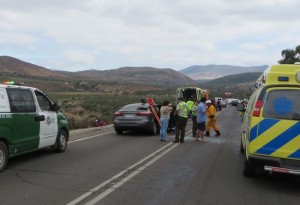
277,132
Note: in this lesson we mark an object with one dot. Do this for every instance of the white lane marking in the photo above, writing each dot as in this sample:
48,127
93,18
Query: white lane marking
89,137
105,193
130,176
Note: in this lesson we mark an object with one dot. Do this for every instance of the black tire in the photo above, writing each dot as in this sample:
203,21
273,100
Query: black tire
248,168
153,129
3,156
119,132
61,141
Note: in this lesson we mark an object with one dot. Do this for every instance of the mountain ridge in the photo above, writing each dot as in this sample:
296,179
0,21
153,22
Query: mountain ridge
134,75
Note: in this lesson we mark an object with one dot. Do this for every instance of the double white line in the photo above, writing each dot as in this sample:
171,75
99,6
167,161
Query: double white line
123,177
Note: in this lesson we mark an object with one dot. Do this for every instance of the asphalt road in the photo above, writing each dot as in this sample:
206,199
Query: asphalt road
100,167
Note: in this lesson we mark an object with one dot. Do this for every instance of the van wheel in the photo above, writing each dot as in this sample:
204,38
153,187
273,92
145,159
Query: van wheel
248,168
3,156
61,141
154,129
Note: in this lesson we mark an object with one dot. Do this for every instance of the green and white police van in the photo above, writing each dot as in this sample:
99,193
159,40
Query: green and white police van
29,120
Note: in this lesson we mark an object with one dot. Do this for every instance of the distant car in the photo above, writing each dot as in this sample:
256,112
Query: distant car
223,103
235,102
137,116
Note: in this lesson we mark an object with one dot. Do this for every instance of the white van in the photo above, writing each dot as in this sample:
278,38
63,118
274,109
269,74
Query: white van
192,93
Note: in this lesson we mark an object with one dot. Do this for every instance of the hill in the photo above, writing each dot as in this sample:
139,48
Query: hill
241,85
209,72
140,75
91,79
10,65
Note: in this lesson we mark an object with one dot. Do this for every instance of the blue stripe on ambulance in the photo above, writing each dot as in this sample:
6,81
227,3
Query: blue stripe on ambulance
263,126
279,141
295,155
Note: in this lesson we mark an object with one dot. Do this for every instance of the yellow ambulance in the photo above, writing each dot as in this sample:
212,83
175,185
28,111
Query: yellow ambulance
270,130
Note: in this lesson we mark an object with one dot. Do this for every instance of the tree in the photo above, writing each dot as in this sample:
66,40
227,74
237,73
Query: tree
290,56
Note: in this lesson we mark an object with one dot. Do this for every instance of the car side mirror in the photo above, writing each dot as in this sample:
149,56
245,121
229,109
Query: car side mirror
55,107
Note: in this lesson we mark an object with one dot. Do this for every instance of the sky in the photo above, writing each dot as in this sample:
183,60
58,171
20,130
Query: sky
76,35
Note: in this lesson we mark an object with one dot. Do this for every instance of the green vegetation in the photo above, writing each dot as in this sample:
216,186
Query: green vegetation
82,108
240,85
290,56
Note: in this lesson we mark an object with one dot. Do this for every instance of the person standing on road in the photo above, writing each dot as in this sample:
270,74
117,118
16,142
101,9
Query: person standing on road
201,119
212,120
182,111
194,117
190,104
165,111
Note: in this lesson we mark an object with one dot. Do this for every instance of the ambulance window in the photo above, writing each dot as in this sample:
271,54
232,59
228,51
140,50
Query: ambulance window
44,102
21,100
282,104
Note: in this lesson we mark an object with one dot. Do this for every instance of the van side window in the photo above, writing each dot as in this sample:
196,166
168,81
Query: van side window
21,100
44,102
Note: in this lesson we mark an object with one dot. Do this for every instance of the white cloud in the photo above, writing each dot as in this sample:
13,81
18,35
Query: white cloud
78,57
76,34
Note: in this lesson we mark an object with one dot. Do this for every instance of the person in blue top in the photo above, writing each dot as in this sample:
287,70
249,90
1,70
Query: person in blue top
201,119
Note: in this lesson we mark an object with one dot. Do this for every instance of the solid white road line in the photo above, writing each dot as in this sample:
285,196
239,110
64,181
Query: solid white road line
89,137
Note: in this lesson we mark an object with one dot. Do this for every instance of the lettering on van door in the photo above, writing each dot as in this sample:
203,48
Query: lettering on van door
49,120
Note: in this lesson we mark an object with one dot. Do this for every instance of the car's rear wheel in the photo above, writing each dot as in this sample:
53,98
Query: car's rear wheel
119,131
153,129
3,156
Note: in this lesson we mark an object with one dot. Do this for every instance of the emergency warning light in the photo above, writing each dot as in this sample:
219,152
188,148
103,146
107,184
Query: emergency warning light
9,82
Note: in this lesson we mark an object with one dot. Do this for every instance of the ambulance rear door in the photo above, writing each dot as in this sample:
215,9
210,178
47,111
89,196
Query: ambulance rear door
277,132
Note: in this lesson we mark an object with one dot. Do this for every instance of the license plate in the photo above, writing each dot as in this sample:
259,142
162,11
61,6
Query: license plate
129,116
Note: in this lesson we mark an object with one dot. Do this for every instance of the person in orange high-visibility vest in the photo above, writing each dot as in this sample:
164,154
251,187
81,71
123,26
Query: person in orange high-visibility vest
212,120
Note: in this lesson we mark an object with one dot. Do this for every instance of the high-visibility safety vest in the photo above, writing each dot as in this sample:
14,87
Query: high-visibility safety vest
183,109
190,104
194,110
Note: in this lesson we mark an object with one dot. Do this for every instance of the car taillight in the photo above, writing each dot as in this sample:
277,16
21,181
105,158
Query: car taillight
118,113
257,108
143,113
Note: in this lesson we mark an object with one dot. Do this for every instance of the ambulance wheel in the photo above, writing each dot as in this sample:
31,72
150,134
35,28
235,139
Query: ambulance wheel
248,168
61,141
3,156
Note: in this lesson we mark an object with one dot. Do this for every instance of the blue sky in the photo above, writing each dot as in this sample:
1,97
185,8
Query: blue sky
74,35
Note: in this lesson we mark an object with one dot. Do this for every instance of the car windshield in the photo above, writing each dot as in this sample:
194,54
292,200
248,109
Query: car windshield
135,107
282,104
